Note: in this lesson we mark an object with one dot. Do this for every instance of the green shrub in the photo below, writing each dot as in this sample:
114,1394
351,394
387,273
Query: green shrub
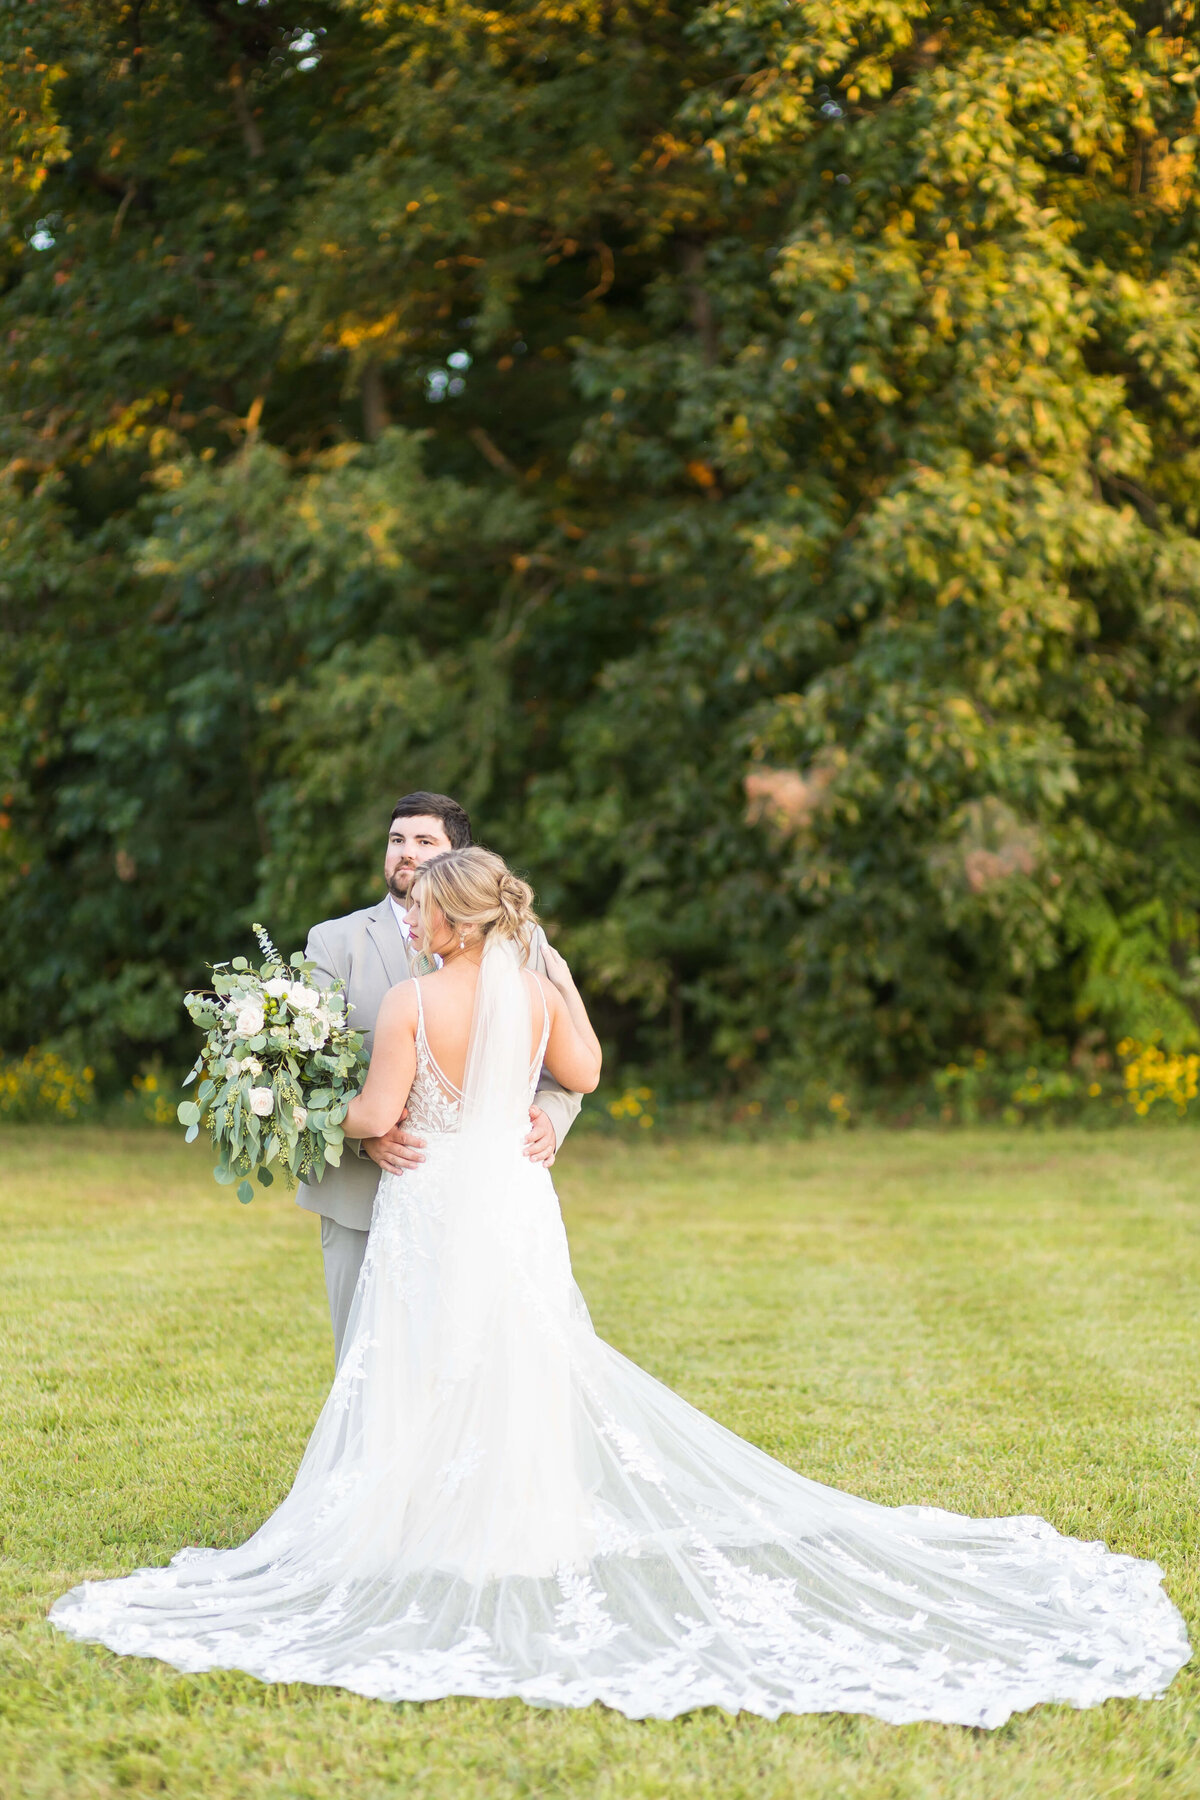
42,1085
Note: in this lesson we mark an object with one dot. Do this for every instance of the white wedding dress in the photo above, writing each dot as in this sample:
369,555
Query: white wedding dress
495,1502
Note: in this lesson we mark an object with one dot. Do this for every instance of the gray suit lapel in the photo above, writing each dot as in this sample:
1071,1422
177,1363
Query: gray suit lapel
384,933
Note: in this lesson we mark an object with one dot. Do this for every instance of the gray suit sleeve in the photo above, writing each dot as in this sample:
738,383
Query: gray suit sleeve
559,1104
317,951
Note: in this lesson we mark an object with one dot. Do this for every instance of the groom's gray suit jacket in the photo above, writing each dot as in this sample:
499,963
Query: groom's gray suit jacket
367,952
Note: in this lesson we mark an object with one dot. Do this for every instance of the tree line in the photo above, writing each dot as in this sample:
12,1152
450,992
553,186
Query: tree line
748,452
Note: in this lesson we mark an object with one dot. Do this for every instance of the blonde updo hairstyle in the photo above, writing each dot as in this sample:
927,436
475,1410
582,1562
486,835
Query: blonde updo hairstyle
478,894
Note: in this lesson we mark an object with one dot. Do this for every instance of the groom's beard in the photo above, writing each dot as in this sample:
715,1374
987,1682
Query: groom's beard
399,884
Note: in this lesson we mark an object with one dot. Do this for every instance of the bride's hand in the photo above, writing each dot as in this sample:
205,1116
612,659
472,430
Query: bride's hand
556,969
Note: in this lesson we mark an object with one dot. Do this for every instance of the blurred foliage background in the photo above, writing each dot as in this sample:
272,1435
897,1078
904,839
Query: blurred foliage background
749,453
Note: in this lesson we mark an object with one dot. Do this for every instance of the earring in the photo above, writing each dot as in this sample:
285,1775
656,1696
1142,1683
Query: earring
462,943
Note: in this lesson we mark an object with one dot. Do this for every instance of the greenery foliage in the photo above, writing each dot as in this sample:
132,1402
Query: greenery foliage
278,1065
41,1085
749,452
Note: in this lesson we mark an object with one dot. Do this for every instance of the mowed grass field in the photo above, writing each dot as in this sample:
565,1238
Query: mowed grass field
995,1323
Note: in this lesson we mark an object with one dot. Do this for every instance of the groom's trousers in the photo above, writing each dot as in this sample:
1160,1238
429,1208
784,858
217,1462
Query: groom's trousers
343,1250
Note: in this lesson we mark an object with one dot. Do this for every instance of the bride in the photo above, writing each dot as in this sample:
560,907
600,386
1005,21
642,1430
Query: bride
495,1502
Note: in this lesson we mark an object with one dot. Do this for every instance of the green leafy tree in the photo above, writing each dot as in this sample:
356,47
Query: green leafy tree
749,452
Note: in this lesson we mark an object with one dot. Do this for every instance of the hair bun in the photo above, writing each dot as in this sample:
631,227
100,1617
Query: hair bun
478,892
514,905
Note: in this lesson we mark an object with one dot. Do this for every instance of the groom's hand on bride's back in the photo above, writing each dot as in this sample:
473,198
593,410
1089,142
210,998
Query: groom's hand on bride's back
541,1146
397,1150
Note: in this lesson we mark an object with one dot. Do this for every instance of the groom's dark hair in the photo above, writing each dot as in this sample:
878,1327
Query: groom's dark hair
454,818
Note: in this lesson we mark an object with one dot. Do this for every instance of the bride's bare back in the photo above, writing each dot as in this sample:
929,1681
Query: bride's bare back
449,1002
447,999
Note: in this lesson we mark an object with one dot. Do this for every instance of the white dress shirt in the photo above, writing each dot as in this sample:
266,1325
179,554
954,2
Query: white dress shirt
401,921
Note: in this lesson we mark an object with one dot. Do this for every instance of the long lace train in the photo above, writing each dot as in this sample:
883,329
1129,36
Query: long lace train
495,1502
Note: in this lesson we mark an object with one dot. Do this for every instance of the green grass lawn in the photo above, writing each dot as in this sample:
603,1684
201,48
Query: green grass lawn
992,1323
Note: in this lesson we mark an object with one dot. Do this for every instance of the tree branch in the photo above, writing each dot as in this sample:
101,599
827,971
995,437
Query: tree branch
493,452
246,119
376,417
704,323
129,194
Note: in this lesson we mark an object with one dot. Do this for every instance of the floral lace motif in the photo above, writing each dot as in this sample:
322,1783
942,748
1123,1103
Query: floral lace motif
451,1475
434,1104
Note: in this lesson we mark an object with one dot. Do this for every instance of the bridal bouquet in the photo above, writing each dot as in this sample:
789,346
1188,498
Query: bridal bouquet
278,1068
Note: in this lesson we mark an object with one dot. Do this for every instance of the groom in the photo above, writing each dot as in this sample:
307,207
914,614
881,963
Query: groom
369,952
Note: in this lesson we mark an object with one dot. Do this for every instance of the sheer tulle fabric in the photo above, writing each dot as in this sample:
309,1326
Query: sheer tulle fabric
494,1502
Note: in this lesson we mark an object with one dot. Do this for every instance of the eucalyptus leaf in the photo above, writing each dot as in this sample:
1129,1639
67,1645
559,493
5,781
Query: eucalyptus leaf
245,1192
191,1134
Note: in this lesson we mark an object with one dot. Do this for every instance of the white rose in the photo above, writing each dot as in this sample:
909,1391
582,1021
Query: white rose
303,999
300,1117
250,1018
277,988
262,1102
251,1065
232,1067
